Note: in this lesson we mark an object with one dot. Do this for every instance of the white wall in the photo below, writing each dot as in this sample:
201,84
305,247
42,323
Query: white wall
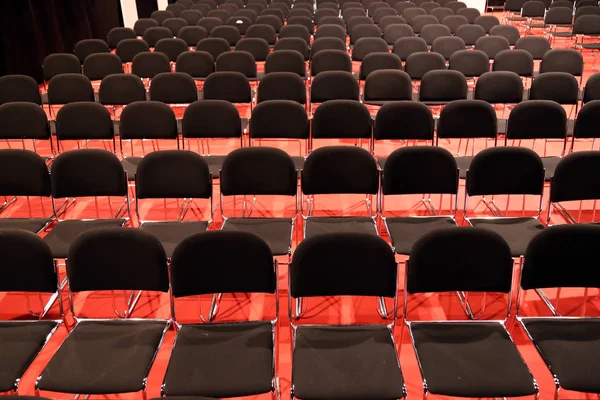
162,4
130,15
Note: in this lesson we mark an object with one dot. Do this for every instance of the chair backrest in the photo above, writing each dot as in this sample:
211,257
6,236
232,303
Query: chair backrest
24,174
214,46
331,31
378,61
418,170
262,31
340,170
153,34
404,121
388,85
537,119
117,259
469,33
282,86
470,13
383,12
87,172
513,5
467,119
330,60
147,120
173,88
441,12
365,261
586,124
420,21
238,61
84,121
292,43
247,13
142,24
537,46
509,32
560,87
98,66
447,45
223,15
455,21
332,85
259,48
115,35
559,16
572,181
368,45
252,265
211,119
269,116
487,22
295,31
517,61
505,171
209,23
392,33
325,12
562,60
60,63
419,64
176,9
127,49
285,61
492,45
533,8
404,47
15,88
472,63
305,21
433,31
240,23
456,5
230,86
499,87
562,3
410,13
171,47
23,120
460,259
173,174
443,86
341,119
191,16
70,88
175,24
557,246
230,33
586,10
274,21
150,64
301,10
390,20
587,25
85,47
197,64
27,263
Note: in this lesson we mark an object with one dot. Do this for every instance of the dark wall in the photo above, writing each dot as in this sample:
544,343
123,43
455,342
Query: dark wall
32,29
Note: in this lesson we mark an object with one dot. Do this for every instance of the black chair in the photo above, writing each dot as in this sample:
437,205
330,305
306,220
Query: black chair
281,86
487,22
439,87
585,27
209,23
419,64
270,20
240,23
127,49
231,86
154,34
454,356
325,12
197,64
410,13
142,24
256,172
27,267
19,88
119,90
24,121
329,43
537,46
227,32
586,123
339,170
379,61
301,10
433,31
214,46
147,65
295,31
175,25
221,14
420,21
98,66
241,62
341,119
368,45
382,13
500,88
453,22
173,174
305,21
470,13
404,47
456,5
390,20
211,119
331,31
563,60
509,32
69,88
79,174
145,120
418,170
285,61
560,87
247,13
518,61
60,63
293,43
467,119
174,88
330,61
492,45
471,63
191,17
84,121
262,31
501,171
85,47
363,30
559,339
385,85
118,354
176,9
441,12
259,48
344,360
447,45
469,33
171,47
206,355
539,119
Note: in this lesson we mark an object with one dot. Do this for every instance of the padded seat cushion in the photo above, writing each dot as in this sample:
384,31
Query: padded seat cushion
29,224
319,225
64,233
517,232
550,164
172,233
405,231
130,165
277,232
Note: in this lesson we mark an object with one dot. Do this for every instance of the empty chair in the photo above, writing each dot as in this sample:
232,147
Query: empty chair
561,3
369,26
559,17
285,61
586,26
487,22
330,60
191,35
580,11
439,344
191,16
587,122
390,20
328,121
148,65
376,5
241,23
300,11
154,34
537,46
507,171
470,13
230,7
229,33
303,21
197,64
259,48
455,6
23,121
368,367
437,174
562,60
19,88
120,90
176,9
429,6
223,15
173,174
141,121
142,24
171,47
282,86
470,33
292,43
499,87
250,14
85,47
539,119
382,86
60,63
382,13
295,31
560,87
214,46
173,88
492,45
533,12
331,20
352,12
434,31
262,31
340,170
418,64
115,35
331,31
517,61
174,25
420,21
455,21
69,88
332,85
210,23
84,121
378,61
273,12
447,45
237,61
403,5
368,45
325,12
509,32
592,88
441,12
396,31
95,265
283,7
127,49
410,13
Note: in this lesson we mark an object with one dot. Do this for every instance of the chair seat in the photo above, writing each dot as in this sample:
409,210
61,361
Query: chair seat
517,232
299,162
346,362
405,231
130,165
590,46
561,34
28,224
171,233
64,233
463,163
470,359
21,342
104,357
221,360
318,225
571,347
214,165
277,232
550,164
381,162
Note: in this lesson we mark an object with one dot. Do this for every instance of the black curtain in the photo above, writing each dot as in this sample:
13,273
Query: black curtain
146,7
32,29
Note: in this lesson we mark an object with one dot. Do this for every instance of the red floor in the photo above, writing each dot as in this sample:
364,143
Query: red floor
338,310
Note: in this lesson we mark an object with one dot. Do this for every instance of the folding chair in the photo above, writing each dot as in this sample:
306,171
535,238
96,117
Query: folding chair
501,171
465,358
27,266
174,174
567,344
230,358
117,354
339,360
339,170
